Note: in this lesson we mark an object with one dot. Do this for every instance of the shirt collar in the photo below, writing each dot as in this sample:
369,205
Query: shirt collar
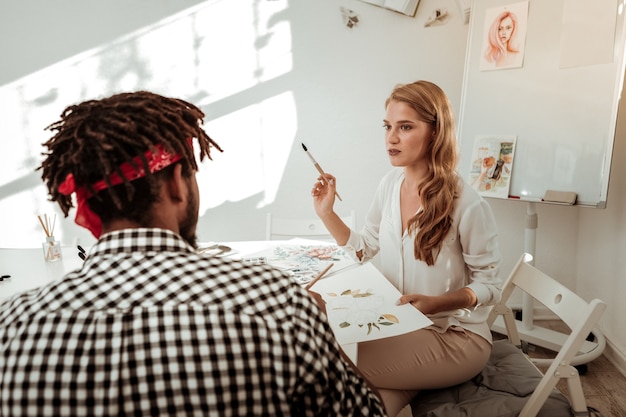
140,240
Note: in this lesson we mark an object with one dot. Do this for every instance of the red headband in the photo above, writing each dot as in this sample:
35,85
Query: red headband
157,160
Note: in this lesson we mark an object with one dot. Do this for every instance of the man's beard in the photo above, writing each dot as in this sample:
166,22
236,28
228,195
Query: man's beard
190,222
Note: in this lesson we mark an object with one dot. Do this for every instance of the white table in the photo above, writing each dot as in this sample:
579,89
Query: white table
28,269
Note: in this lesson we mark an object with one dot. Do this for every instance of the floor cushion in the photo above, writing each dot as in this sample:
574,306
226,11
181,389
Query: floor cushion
500,390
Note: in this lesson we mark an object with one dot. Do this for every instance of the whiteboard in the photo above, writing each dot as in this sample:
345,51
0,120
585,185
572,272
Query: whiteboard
562,116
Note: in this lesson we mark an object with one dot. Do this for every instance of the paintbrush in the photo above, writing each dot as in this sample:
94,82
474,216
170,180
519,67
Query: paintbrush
320,275
317,166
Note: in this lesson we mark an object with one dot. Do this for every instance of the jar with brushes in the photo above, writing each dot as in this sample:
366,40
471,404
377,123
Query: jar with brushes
51,246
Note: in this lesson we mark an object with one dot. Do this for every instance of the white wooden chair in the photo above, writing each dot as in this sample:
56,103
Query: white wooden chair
511,384
579,315
287,228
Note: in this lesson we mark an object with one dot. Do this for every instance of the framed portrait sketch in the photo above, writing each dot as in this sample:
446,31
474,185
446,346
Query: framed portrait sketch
504,37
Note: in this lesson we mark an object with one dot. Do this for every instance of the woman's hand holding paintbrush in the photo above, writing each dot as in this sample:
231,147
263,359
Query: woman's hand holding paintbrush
324,193
323,176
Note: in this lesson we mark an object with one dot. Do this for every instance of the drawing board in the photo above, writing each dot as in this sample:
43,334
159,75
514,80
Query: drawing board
561,103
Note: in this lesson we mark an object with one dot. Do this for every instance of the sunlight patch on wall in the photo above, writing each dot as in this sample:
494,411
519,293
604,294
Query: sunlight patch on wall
217,55
238,50
256,142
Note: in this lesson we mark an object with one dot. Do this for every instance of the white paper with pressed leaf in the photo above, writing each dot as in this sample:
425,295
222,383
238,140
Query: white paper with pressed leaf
361,306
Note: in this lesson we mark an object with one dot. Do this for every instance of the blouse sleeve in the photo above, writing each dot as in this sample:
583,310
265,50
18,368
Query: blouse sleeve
481,252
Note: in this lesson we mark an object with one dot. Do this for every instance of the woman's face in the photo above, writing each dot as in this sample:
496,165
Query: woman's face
406,137
505,29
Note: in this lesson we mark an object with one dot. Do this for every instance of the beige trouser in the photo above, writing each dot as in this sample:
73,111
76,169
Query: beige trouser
402,365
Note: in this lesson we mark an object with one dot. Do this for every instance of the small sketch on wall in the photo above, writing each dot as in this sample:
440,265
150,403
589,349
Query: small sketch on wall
350,19
438,16
504,37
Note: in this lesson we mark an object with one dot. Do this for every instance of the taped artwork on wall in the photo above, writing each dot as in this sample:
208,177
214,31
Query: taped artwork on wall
350,19
492,165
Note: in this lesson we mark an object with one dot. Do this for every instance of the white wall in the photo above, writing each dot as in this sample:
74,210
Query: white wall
338,81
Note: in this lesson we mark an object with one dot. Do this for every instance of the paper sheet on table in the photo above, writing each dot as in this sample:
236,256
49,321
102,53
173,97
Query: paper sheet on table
361,306
303,259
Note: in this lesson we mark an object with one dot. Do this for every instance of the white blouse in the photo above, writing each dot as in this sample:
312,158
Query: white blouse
469,257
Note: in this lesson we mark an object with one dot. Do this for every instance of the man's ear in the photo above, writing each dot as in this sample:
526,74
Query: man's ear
175,186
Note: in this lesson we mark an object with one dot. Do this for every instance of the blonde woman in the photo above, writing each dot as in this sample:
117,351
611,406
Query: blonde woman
437,243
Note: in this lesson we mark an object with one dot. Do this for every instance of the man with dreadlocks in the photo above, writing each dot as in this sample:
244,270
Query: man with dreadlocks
148,326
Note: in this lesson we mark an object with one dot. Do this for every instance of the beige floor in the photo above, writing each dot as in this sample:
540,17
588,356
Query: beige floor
604,386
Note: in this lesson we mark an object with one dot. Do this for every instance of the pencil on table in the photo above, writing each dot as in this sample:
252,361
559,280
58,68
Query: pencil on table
320,275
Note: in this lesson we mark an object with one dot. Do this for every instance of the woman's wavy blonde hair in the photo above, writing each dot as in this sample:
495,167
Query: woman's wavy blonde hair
438,191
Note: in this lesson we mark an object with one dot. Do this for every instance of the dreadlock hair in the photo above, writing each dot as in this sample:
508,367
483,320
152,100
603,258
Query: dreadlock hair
95,137
440,187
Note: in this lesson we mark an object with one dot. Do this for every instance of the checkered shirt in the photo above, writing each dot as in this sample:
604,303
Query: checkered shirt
149,327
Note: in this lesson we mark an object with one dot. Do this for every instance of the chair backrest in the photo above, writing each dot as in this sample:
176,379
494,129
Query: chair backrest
286,228
579,315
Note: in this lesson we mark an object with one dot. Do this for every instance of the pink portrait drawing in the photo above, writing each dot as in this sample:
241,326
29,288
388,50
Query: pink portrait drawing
504,37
